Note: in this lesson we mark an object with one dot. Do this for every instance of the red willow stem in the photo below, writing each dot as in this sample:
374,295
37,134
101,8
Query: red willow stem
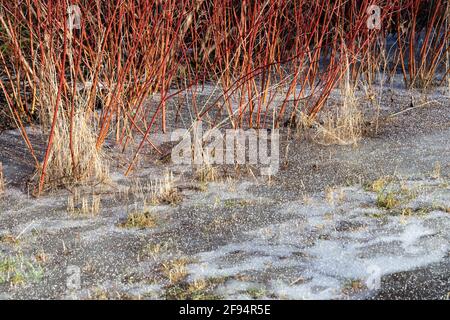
128,50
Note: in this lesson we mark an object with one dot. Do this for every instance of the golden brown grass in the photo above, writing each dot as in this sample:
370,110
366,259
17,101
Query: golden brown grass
379,184
153,192
46,65
41,257
140,220
73,157
202,289
165,191
9,239
88,164
155,250
436,173
353,286
341,124
334,195
83,205
175,270
178,288
206,173
391,193
388,200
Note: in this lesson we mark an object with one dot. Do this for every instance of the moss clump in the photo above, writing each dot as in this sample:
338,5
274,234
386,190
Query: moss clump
140,220
387,200
17,271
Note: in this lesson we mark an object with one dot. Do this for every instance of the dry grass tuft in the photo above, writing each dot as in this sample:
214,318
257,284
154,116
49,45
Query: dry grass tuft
175,271
9,239
379,184
391,192
73,156
353,286
140,220
436,173
153,192
341,125
206,173
88,165
388,200
164,191
193,43
83,205
155,250
334,195
201,289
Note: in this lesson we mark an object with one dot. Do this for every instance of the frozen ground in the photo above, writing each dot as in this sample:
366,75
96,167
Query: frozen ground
321,228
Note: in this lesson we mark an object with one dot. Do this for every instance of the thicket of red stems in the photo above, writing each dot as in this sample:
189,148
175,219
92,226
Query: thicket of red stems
123,51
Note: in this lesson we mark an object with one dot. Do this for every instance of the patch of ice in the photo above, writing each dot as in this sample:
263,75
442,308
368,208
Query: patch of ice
254,257
233,288
320,288
333,256
212,269
223,192
51,225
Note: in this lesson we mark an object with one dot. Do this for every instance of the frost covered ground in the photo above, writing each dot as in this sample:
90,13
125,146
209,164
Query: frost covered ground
371,221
